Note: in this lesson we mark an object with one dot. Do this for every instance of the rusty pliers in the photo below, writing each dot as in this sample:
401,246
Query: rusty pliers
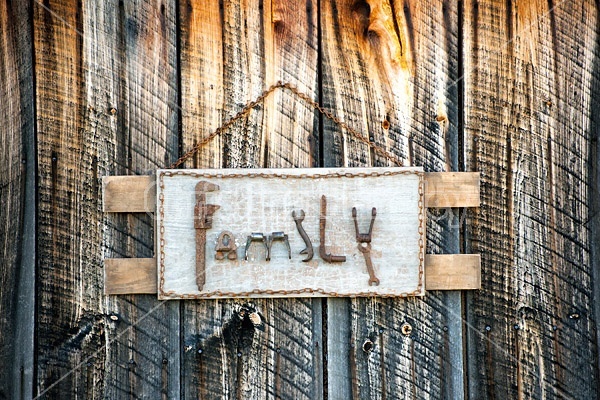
364,245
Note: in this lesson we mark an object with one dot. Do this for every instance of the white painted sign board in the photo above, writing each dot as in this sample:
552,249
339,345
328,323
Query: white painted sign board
262,200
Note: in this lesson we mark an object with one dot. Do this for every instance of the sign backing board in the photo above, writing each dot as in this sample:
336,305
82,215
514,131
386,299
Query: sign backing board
262,200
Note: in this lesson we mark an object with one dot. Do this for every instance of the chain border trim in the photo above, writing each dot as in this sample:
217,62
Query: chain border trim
165,295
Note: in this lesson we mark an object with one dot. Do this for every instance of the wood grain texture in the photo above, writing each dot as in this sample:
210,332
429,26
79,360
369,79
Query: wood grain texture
17,201
452,189
452,271
128,194
530,74
130,276
245,46
106,89
594,185
388,70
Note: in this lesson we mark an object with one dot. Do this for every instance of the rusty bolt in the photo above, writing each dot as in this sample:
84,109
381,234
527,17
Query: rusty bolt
406,329
368,346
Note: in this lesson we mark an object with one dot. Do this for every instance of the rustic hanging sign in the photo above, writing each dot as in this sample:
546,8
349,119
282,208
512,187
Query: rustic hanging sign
291,232
282,232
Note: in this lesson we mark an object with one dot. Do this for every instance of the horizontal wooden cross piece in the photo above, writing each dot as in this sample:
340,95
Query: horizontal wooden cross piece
131,194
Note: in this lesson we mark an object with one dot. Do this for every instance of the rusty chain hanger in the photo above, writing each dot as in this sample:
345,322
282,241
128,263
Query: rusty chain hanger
279,85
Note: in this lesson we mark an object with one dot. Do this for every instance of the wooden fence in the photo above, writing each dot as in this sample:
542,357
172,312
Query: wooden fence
507,88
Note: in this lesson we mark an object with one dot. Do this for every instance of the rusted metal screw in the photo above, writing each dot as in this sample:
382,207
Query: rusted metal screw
406,329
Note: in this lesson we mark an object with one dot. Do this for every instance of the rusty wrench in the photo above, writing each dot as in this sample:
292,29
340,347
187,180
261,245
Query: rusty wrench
203,216
309,251
364,245
322,221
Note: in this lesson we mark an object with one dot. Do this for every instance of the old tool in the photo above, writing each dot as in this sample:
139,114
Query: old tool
203,216
364,245
278,236
255,237
322,222
226,245
309,251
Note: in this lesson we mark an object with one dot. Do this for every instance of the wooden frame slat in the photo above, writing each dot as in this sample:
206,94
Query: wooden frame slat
452,189
442,272
130,276
129,193
452,271
134,193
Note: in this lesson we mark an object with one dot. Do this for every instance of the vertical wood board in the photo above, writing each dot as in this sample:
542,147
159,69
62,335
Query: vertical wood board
390,71
105,89
230,52
17,202
528,108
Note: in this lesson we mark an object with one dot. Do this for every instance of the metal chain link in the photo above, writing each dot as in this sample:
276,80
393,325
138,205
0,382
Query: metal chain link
279,85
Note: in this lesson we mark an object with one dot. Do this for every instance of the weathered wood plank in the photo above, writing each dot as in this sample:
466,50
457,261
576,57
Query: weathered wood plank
67,329
144,359
17,201
386,71
442,272
594,194
230,54
531,74
452,189
452,271
130,276
129,193
106,98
